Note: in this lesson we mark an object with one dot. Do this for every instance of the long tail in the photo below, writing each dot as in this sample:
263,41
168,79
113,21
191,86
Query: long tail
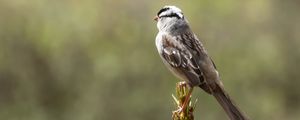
233,112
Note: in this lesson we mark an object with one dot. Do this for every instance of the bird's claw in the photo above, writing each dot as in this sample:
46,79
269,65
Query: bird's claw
182,83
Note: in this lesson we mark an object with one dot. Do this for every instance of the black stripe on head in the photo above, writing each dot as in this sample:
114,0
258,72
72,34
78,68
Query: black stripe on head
162,10
171,15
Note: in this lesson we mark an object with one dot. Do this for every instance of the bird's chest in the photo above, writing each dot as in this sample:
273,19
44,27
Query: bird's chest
159,42
164,40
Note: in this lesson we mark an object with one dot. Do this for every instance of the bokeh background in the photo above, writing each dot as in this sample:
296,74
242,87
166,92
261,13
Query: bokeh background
96,59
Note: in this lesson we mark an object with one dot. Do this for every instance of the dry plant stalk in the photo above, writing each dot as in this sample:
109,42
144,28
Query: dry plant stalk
182,90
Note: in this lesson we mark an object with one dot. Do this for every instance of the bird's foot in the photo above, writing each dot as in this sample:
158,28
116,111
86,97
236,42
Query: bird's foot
182,84
184,108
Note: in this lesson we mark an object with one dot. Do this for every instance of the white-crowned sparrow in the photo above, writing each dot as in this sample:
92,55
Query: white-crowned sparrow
185,56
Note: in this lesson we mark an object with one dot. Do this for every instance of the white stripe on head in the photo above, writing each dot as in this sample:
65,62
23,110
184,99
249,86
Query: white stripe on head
168,10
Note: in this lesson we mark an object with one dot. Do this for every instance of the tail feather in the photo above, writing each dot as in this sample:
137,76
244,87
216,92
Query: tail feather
233,112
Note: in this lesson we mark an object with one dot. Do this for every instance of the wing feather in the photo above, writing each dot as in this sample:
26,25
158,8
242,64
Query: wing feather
178,56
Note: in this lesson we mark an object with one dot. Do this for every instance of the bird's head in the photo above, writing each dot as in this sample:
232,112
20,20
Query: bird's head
168,16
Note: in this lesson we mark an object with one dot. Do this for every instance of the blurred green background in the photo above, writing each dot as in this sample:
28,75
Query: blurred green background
96,59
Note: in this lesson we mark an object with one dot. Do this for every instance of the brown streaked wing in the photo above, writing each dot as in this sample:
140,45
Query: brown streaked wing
180,58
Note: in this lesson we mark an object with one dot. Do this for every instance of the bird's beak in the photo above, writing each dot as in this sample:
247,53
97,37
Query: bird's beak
156,18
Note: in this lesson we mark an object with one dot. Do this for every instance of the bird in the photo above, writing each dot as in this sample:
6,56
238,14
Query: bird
185,56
